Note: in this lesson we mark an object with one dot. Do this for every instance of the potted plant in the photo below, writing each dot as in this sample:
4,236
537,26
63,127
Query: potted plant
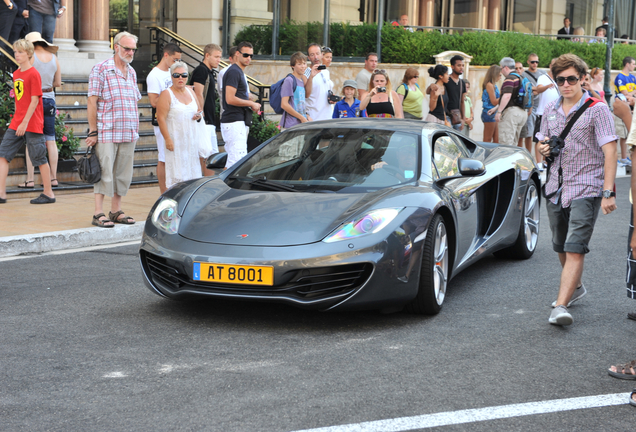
260,131
67,144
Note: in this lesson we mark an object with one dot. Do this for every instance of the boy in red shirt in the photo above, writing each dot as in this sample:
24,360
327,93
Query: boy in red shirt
27,122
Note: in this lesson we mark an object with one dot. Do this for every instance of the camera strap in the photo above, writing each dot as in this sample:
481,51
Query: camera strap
564,134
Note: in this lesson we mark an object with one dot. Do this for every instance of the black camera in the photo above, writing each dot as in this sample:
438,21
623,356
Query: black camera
322,67
332,97
381,89
556,145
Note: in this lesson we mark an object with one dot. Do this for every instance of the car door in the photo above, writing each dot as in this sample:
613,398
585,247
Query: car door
458,191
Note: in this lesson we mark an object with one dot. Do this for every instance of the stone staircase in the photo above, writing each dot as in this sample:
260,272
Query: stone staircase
72,99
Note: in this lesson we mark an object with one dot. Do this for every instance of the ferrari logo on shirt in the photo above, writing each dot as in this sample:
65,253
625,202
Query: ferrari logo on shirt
18,88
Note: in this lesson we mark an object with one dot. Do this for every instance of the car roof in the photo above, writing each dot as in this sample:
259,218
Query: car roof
402,125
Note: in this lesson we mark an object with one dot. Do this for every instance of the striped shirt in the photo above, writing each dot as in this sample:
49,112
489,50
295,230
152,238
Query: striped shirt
582,158
117,114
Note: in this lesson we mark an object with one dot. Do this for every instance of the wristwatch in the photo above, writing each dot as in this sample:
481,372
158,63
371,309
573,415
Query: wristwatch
608,194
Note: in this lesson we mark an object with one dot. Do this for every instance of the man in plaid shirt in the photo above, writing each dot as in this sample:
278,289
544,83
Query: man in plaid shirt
580,178
113,122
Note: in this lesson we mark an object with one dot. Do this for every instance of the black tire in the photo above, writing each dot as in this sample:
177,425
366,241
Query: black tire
528,234
434,272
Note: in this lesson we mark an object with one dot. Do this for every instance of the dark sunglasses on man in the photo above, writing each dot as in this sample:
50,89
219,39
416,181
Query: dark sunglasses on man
246,55
572,79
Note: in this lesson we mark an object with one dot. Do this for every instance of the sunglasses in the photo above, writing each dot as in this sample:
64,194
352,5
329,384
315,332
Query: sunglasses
326,50
246,55
560,80
182,75
379,71
133,50
534,61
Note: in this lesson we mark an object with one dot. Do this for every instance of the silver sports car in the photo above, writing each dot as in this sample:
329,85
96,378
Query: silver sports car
342,215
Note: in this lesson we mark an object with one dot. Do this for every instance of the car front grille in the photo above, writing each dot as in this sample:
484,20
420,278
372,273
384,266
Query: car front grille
304,284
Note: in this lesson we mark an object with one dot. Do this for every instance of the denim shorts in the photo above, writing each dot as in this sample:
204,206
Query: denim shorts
485,118
572,227
49,118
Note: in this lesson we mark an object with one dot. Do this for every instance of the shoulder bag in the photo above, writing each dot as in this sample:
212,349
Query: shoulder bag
446,122
88,167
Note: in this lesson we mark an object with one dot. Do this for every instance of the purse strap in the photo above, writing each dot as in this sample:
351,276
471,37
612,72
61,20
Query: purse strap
443,107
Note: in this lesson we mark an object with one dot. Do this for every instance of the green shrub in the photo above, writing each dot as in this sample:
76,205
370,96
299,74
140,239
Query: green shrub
263,130
400,46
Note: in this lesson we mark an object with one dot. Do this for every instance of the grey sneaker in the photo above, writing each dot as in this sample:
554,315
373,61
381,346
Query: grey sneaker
560,316
578,293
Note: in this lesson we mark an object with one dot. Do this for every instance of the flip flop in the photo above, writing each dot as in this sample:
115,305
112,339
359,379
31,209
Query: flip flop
628,367
52,185
632,402
25,185
631,315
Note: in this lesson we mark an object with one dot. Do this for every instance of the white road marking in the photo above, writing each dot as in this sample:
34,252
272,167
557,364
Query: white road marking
115,375
68,251
481,414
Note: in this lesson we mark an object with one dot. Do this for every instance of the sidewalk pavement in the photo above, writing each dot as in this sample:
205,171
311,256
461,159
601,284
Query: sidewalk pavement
28,228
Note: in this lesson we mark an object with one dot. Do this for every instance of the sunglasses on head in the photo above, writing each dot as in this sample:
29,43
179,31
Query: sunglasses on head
379,71
560,80
326,49
182,75
534,61
246,55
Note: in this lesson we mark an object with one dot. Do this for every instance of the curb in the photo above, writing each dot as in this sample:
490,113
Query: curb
69,239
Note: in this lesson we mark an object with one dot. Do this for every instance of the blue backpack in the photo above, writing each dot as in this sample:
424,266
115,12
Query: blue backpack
525,92
274,93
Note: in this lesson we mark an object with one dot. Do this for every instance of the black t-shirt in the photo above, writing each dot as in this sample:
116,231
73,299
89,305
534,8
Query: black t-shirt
439,108
234,77
200,75
454,92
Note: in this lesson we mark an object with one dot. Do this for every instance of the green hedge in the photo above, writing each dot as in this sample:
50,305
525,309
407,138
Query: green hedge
400,46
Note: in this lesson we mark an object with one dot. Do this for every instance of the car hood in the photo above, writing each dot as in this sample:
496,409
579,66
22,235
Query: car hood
222,215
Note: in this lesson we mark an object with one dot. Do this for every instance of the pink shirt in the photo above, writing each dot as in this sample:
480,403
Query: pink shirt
582,158
117,114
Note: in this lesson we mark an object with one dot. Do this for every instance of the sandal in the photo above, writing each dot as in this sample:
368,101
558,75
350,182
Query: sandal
632,402
626,371
52,185
631,315
102,222
126,220
25,185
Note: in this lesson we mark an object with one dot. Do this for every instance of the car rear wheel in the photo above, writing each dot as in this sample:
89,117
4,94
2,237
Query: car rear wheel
528,235
434,273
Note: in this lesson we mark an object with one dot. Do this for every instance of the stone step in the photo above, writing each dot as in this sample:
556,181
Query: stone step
81,85
70,98
73,187
80,112
80,126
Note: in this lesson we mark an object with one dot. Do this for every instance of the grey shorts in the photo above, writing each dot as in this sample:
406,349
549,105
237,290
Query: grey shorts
572,227
35,142
528,129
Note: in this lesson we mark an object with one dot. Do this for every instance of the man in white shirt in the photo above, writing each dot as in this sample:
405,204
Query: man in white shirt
364,76
318,86
548,91
157,81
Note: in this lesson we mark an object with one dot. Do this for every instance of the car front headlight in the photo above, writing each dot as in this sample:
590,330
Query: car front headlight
165,216
370,223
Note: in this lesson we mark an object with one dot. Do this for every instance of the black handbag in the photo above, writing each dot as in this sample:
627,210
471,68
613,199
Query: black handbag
88,167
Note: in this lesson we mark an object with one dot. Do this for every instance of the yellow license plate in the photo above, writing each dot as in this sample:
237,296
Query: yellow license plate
233,274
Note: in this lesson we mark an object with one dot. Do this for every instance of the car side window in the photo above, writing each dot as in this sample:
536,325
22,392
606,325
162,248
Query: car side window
465,145
446,152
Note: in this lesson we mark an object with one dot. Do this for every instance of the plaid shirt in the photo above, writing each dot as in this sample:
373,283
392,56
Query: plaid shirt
117,115
582,158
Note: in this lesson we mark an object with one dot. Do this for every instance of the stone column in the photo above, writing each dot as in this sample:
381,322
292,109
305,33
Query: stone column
63,36
427,13
93,27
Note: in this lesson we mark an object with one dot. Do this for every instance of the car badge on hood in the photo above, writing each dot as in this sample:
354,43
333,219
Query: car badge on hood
242,236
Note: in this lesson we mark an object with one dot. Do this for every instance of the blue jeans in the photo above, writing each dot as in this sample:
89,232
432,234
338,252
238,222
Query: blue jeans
45,24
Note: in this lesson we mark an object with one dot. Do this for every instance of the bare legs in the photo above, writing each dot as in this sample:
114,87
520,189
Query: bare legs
51,148
572,264
491,132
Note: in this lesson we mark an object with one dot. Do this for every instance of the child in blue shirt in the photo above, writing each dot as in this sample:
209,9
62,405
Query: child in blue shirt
349,106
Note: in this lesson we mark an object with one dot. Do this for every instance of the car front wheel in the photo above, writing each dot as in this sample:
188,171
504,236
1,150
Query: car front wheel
434,273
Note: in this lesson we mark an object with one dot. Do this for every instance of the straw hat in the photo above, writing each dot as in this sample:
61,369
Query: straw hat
34,37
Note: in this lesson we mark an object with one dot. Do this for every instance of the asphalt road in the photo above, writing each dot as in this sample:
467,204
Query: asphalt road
85,346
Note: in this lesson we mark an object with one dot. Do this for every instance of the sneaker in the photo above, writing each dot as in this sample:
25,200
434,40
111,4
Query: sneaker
625,162
560,316
578,293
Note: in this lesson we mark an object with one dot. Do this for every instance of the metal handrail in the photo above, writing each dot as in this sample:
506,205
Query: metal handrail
5,55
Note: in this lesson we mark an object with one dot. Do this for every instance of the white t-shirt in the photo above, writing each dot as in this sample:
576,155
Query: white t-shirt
157,81
318,107
362,80
547,96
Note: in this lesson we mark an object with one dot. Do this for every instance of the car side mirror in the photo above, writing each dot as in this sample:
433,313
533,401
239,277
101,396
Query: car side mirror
470,167
217,161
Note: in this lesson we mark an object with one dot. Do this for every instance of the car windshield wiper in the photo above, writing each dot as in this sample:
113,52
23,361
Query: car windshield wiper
263,182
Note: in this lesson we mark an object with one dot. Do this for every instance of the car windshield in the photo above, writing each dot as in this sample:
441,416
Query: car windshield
331,160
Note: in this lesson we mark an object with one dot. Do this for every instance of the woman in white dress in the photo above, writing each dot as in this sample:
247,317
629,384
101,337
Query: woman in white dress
179,117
